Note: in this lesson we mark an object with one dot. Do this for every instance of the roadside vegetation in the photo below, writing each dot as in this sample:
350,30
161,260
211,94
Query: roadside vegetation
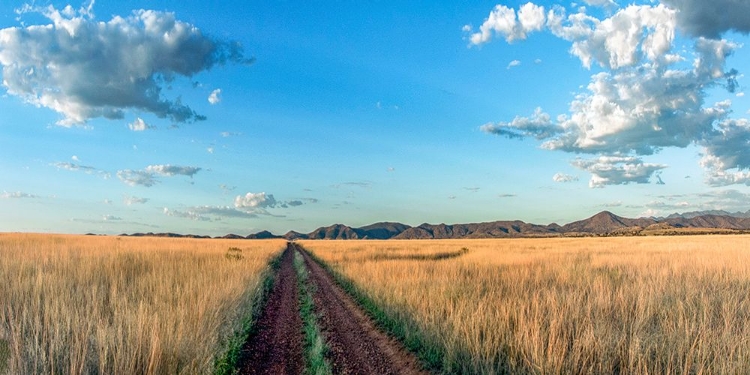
125,305
315,346
666,305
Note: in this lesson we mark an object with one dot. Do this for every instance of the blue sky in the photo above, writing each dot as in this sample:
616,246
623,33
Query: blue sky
135,116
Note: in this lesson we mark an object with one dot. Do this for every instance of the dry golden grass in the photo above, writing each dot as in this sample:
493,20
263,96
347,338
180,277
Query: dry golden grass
123,305
637,305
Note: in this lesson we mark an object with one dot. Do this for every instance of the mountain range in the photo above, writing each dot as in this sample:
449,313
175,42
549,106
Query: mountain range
604,223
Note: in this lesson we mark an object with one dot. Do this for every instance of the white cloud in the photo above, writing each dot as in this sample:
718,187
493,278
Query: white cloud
130,200
210,213
617,170
509,24
215,96
562,177
74,158
192,215
17,195
147,177
111,218
172,170
666,205
539,126
254,200
257,203
646,96
250,205
725,157
81,168
607,4
83,68
513,64
136,178
139,125
726,199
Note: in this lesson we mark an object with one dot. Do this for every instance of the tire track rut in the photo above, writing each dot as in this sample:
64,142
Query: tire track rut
356,345
276,347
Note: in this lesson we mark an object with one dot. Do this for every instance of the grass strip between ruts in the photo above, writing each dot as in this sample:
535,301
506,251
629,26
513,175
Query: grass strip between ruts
226,363
402,329
315,345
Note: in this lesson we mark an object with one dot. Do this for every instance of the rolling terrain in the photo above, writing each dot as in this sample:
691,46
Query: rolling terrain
604,223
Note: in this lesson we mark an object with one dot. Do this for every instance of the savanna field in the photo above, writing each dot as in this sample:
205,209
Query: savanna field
632,305
124,305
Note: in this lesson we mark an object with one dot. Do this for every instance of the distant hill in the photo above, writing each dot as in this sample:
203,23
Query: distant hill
334,232
604,223
381,231
292,235
495,229
693,214
262,235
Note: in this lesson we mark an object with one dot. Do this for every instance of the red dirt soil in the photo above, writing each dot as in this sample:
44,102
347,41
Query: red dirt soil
276,346
356,345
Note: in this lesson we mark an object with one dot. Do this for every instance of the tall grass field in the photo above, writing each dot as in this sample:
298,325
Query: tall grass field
636,305
124,305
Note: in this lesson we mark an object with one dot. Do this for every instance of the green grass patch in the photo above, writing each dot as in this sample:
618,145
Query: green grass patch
226,363
4,356
315,346
403,328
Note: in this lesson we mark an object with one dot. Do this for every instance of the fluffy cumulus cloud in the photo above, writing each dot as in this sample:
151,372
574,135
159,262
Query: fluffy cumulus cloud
248,206
254,201
215,97
136,178
172,170
617,170
139,125
510,24
84,68
648,93
149,176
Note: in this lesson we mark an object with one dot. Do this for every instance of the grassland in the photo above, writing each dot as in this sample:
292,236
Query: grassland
645,305
123,305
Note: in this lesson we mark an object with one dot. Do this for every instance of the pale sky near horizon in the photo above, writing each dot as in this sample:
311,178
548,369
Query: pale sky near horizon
184,116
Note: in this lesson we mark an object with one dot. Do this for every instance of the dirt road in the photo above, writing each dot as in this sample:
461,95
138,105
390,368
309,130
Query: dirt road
276,346
356,345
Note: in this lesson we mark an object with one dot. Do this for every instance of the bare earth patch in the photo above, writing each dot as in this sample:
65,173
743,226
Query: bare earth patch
277,342
356,345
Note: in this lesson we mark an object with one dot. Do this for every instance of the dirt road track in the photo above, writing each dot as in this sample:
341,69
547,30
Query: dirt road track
276,346
356,345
